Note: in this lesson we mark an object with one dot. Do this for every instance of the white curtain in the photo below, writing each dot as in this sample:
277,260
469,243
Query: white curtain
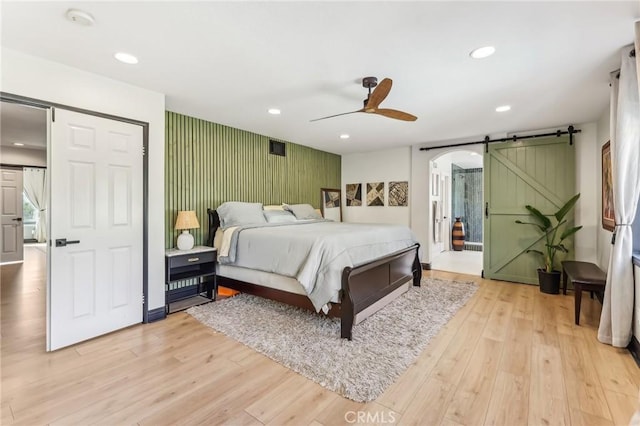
637,47
616,321
35,188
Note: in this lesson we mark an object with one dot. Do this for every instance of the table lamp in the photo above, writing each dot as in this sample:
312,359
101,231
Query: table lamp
186,220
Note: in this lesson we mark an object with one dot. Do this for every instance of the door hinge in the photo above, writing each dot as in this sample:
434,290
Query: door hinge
143,298
144,151
53,114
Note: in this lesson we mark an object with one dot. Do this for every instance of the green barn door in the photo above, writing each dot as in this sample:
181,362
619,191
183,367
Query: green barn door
539,172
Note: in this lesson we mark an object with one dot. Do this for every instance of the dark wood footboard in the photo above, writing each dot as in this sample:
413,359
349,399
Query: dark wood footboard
365,284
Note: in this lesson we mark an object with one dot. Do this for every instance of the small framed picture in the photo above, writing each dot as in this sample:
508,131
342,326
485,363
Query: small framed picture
608,212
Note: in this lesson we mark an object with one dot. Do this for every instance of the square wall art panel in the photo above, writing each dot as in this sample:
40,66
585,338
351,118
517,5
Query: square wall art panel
354,194
399,194
375,194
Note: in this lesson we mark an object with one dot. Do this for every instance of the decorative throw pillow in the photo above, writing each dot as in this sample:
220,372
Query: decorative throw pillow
279,216
273,207
302,211
237,213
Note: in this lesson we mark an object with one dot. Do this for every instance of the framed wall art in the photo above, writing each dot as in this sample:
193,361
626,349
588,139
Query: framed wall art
375,194
399,194
354,194
608,213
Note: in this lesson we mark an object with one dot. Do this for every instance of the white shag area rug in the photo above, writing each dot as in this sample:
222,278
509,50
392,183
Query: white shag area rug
383,345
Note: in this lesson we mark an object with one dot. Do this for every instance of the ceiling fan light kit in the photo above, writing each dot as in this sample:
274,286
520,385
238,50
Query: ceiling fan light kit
374,99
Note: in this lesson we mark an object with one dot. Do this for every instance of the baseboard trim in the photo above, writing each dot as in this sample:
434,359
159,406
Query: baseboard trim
634,348
156,314
426,266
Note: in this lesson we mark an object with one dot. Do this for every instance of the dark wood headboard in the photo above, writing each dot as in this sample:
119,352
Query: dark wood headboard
214,224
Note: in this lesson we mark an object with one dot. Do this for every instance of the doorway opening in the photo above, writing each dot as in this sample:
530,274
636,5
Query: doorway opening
100,159
457,213
23,149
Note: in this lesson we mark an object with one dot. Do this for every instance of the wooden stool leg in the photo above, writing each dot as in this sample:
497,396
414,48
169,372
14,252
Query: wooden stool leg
577,289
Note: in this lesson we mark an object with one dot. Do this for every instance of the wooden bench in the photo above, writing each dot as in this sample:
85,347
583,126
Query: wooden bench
585,276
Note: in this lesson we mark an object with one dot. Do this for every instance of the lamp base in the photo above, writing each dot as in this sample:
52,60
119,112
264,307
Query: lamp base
185,240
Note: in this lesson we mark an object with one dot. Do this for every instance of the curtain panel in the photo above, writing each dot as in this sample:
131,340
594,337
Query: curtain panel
35,188
616,320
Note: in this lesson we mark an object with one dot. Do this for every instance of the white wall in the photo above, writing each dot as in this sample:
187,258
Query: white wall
380,166
23,156
50,81
603,236
587,175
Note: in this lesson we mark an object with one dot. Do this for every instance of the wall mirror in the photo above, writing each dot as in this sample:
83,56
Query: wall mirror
331,204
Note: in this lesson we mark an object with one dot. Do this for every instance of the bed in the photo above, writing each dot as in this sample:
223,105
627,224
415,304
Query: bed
342,270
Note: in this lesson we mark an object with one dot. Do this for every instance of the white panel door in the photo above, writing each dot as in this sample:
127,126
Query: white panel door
97,207
11,212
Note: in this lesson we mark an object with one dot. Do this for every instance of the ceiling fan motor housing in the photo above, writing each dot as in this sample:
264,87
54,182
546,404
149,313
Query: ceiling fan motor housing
369,82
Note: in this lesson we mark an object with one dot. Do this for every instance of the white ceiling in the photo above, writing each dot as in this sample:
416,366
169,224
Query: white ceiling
466,159
23,124
228,62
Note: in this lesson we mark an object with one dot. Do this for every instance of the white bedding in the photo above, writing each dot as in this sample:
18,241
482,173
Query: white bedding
312,253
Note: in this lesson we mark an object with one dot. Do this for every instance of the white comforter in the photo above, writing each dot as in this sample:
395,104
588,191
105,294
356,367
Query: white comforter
312,252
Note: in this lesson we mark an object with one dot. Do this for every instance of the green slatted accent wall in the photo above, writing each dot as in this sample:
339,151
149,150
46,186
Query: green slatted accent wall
207,164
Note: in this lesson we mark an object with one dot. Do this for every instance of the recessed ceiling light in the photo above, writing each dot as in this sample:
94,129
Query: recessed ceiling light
482,52
344,136
473,153
126,58
274,111
503,108
80,17
18,144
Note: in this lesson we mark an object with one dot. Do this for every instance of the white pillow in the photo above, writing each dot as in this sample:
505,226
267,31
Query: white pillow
302,211
279,216
238,213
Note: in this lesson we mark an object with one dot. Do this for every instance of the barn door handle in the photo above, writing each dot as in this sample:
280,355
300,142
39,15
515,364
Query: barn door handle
17,219
486,210
62,242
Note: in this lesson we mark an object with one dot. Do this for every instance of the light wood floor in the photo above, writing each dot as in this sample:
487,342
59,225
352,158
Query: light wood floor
511,356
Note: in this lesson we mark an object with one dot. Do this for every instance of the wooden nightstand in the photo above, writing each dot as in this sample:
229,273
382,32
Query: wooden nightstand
197,265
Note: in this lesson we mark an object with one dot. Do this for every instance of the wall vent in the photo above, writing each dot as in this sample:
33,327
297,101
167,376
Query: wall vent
277,148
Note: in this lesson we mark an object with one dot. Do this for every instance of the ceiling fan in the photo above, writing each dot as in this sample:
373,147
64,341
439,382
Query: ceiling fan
374,99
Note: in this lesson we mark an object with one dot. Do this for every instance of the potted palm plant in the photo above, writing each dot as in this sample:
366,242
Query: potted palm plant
554,235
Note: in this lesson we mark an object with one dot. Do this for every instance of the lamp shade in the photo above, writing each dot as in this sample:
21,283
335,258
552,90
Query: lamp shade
187,220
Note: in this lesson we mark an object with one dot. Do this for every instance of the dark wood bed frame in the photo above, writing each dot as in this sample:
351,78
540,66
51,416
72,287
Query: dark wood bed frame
362,285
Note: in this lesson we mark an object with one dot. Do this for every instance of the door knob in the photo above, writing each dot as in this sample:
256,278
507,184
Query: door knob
17,219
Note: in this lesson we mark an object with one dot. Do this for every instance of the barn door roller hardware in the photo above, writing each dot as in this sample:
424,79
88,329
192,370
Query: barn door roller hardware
486,141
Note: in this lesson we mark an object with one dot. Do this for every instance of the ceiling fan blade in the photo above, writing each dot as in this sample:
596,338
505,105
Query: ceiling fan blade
394,113
337,115
379,94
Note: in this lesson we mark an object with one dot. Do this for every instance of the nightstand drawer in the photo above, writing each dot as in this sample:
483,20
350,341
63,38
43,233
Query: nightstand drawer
192,259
